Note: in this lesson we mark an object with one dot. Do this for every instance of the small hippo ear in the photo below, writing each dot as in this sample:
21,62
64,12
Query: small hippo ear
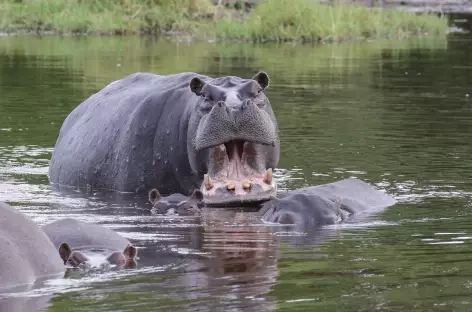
197,195
64,252
130,252
262,78
154,196
196,86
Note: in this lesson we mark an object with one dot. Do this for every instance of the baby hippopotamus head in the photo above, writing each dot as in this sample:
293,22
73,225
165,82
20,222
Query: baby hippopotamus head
176,204
80,258
305,210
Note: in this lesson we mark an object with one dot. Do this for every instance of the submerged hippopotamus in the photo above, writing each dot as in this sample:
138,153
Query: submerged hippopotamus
176,204
26,253
82,244
325,204
180,132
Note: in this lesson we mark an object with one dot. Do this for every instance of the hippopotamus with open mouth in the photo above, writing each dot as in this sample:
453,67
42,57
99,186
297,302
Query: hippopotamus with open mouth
178,132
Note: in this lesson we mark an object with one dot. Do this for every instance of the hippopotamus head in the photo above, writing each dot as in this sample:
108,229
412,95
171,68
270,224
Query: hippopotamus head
176,204
303,210
79,258
233,139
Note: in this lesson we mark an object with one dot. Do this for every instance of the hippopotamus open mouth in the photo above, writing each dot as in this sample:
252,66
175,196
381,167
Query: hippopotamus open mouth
234,175
238,133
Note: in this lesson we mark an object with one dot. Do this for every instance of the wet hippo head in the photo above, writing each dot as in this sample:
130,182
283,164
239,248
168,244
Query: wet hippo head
303,210
176,204
233,139
78,258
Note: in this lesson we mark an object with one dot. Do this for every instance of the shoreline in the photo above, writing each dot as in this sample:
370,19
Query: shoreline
270,22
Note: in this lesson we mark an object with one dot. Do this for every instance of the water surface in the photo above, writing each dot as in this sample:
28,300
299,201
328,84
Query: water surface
394,113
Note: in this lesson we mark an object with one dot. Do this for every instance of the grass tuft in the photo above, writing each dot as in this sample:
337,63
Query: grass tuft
308,20
271,20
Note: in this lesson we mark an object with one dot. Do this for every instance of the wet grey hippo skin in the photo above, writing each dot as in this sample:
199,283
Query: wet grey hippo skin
26,253
76,241
177,132
325,204
176,204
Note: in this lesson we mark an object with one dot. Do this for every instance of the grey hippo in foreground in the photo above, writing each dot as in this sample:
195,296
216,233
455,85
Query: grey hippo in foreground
178,132
325,204
82,244
27,255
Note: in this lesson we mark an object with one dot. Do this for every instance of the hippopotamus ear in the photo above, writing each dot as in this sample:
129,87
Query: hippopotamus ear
64,252
262,78
197,195
130,252
154,196
196,86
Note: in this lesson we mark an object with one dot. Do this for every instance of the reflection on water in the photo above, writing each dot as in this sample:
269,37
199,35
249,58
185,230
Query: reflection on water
394,113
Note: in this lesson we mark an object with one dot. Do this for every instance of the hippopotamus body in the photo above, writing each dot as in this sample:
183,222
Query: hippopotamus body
77,242
325,204
176,204
179,132
26,253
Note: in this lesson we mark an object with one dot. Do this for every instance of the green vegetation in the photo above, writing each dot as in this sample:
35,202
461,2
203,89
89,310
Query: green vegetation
272,20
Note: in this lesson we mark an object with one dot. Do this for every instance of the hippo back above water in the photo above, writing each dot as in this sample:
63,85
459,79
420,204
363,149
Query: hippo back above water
26,253
177,132
325,204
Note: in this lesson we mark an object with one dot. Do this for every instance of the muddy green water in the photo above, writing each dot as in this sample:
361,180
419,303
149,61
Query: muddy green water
394,113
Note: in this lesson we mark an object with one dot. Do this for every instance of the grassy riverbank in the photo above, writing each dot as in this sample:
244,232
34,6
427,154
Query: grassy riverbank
272,20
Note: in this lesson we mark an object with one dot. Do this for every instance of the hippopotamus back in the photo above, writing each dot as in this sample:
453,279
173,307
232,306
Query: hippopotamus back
26,253
80,235
325,204
352,195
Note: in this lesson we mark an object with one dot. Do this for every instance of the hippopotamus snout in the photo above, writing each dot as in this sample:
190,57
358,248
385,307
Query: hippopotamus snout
242,120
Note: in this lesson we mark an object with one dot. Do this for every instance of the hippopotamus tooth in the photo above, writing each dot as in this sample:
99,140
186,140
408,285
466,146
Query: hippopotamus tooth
268,176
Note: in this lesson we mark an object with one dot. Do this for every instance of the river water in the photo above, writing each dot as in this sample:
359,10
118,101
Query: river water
396,114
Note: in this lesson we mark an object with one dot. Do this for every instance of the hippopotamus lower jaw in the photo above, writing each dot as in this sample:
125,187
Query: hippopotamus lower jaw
237,175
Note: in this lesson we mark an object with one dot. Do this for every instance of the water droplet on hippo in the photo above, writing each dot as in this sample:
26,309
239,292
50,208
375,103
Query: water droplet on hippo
167,131
171,148
153,162
176,169
133,147
165,161
158,155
